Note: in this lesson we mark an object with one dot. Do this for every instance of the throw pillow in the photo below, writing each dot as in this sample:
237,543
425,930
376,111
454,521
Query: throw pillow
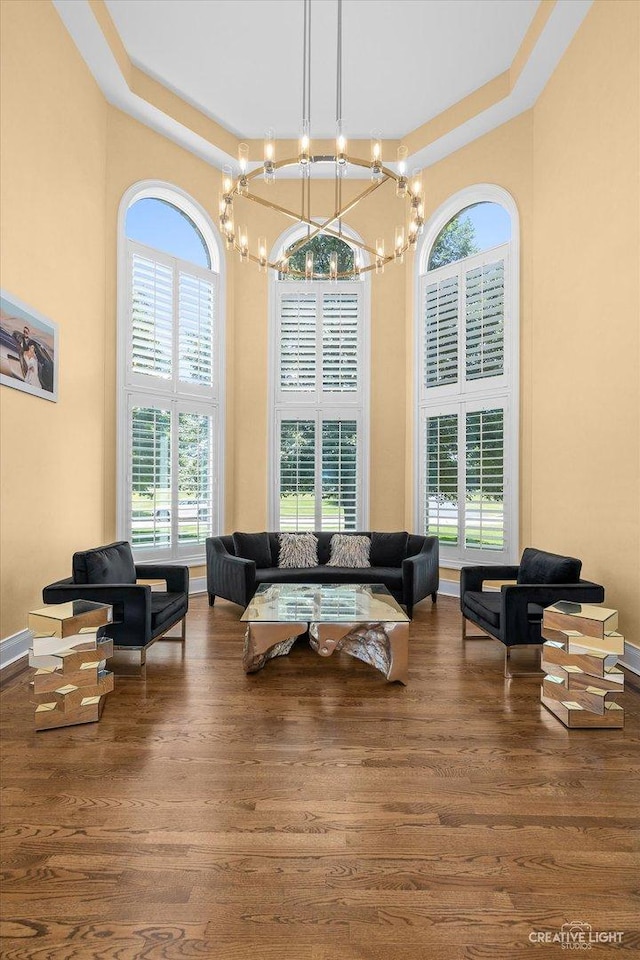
348,550
253,546
538,566
298,550
388,549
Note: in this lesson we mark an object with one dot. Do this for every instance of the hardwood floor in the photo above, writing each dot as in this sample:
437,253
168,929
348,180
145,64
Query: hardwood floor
313,811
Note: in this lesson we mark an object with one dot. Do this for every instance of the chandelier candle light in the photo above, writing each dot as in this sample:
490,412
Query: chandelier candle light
237,238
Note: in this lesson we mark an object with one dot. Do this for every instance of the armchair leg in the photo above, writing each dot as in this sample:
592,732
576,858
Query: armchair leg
183,633
472,636
212,599
434,596
510,674
127,662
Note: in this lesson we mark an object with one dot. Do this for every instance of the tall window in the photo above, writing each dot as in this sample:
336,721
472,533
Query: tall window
320,391
467,389
171,358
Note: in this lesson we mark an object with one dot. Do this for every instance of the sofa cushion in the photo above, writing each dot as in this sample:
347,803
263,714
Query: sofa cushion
486,606
538,566
350,550
166,607
112,563
298,550
253,546
388,549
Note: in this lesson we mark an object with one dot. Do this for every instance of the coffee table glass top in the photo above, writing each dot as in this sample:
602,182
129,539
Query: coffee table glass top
323,603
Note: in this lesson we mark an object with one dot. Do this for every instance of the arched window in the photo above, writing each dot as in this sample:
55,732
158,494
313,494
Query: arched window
467,409
171,375
320,393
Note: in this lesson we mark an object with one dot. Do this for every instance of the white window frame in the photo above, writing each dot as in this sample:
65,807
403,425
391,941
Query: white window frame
180,397
316,405
471,395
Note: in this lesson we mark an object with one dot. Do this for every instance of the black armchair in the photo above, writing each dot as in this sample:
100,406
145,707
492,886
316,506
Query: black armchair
140,616
513,614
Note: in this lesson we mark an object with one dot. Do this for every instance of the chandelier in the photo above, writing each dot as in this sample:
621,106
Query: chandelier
239,186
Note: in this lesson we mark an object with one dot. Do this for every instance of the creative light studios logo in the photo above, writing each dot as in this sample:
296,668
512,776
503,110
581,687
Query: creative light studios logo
576,935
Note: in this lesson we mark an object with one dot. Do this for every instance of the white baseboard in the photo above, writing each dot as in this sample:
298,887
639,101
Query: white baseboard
631,658
14,647
197,585
449,588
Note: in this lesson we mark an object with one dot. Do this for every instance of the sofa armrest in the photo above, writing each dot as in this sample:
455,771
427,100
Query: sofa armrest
229,577
421,573
131,604
515,600
177,577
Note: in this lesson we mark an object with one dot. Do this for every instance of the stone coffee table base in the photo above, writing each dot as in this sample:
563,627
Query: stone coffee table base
384,646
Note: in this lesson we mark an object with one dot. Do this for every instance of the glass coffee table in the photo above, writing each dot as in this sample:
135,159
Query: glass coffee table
361,620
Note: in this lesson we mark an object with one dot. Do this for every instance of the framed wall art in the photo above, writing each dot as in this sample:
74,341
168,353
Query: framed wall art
28,349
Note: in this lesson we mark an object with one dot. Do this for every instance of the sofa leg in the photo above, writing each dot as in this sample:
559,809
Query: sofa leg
509,674
434,596
212,599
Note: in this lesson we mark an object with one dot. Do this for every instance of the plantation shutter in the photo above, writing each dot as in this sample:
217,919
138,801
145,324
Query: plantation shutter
484,321
195,477
297,343
441,332
339,475
151,317
441,477
484,495
150,439
197,299
297,499
340,335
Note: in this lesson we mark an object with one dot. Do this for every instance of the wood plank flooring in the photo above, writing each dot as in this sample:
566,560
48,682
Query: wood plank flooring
314,812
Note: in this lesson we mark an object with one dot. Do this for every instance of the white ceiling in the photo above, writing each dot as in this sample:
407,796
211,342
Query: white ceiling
404,61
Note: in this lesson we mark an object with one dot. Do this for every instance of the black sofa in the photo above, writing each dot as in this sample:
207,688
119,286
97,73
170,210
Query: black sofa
513,614
108,574
413,576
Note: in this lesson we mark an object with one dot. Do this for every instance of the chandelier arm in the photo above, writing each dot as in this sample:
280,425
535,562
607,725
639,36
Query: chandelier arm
321,228
283,210
294,216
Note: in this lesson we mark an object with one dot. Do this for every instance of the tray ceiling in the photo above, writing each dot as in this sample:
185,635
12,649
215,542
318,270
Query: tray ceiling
240,61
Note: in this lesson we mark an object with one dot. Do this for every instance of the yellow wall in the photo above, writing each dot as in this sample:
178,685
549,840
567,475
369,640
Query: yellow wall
585,402
571,165
136,153
53,248
503,157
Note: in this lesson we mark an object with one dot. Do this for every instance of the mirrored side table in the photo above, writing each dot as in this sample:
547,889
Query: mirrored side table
69,653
